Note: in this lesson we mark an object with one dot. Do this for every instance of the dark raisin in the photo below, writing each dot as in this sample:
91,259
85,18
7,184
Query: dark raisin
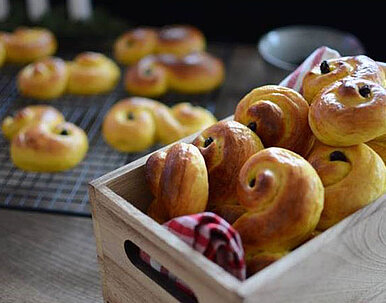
130,116
252,182
64,132
365,91
148,72
338,156
208,141
324,67
252,126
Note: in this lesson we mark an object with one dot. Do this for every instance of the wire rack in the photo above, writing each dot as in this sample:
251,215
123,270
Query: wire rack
66,192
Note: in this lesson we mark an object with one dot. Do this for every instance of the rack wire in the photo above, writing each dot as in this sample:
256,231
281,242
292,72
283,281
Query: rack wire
66,192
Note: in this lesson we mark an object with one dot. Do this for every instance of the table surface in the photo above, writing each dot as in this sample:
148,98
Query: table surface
52,258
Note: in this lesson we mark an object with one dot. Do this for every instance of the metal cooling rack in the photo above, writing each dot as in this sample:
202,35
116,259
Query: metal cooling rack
66,192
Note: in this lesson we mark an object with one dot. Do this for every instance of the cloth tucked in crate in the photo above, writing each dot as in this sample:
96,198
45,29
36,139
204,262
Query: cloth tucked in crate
295,79
210,235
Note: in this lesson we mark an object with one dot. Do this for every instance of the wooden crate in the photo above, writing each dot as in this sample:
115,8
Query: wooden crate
347,263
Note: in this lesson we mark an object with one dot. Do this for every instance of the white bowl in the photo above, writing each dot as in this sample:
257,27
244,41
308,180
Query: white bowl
287,47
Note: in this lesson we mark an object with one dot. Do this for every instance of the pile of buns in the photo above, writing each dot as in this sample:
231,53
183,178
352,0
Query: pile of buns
289,166
170,58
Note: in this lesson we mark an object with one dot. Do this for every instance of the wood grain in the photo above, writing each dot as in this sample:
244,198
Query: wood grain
47,258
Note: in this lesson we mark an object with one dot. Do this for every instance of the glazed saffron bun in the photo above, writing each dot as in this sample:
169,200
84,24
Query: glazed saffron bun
192,74
225,146
134,124
330,71
92,73
28,116
45,148
3,53
25,45
279,116
147,78
179,181
379,146
44,79
349,112
180,40
192,118
352,176
278,218
134,45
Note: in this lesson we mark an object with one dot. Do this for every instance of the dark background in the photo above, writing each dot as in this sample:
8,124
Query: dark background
232,22
246,21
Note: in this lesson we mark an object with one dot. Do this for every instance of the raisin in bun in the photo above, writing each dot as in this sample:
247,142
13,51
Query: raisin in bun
352,176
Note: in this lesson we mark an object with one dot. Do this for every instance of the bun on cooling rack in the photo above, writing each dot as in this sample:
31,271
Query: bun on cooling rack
225,146
28,44
134,45
279,116
192,74
92,73
134,124
330,71
179,181
180,40
283,198
46,148
28,116
44,79
349,112
352,176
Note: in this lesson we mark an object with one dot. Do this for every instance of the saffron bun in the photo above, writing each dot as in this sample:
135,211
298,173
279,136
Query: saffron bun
25,44
225,146
379,146
278,218
44,79
179,181
180,40
279,116
134,45
92,73
28,116
134,124
46,148
352,176
3,53
192,74
330,71
349,112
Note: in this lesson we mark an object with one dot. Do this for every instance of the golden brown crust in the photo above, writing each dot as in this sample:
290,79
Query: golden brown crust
361,67
278,218
180,40
194,73
135,44
351,181
44,148
342,116
279,116
44,79
28,116
92,73
29,44
183,182
231,145
257,262
379,147
134,124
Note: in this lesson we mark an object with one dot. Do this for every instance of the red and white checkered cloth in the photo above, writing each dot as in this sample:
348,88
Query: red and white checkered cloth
210,235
